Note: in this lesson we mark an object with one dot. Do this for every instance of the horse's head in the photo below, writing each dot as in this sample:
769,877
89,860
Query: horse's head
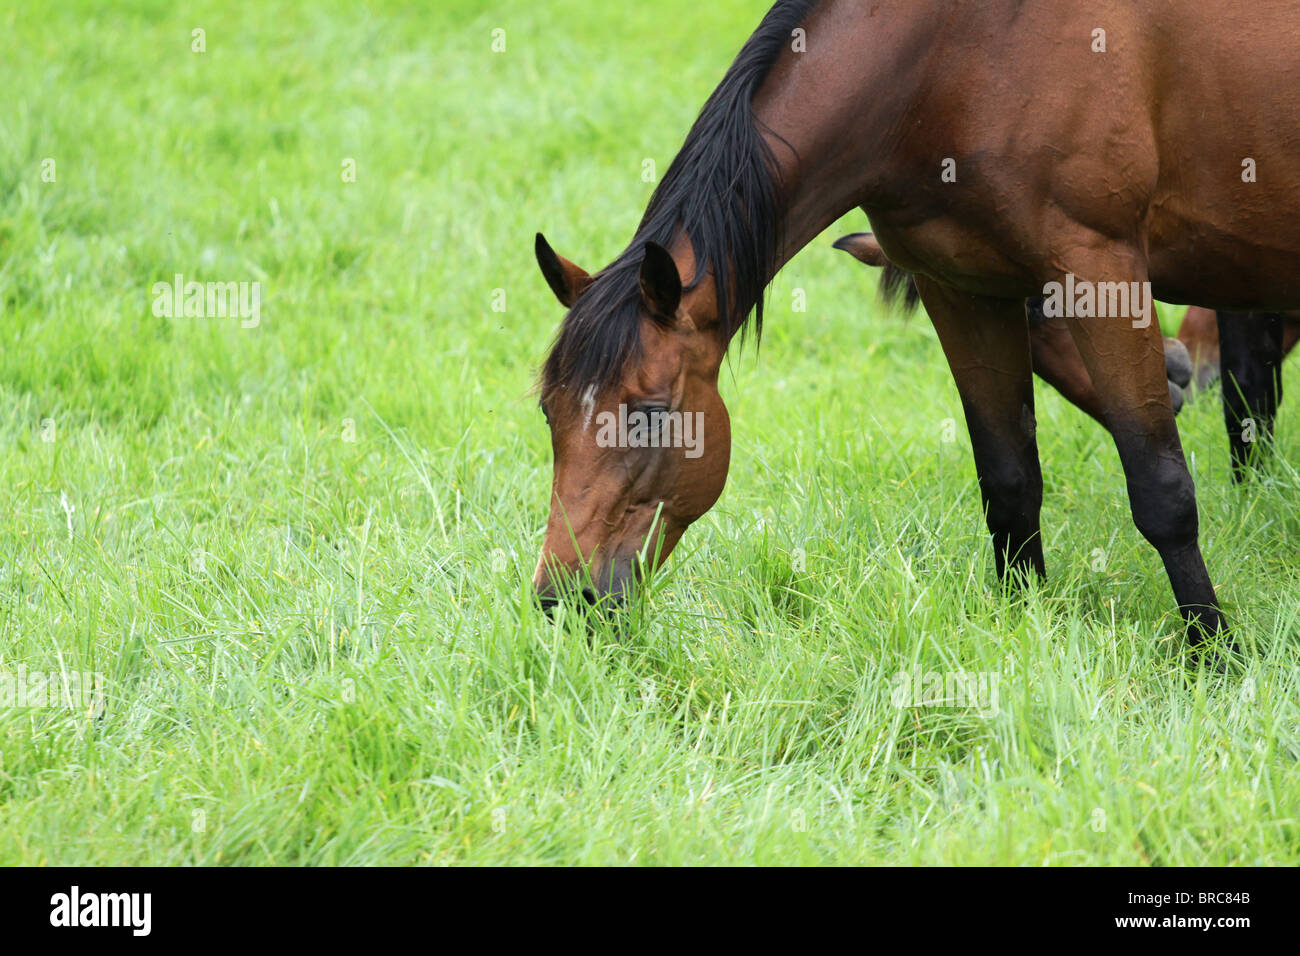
639,433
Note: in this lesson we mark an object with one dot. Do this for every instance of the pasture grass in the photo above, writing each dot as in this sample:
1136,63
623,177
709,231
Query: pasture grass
298,554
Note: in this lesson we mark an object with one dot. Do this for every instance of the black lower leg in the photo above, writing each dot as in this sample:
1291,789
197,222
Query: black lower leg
1163,499
1250,345
986,342
1011,488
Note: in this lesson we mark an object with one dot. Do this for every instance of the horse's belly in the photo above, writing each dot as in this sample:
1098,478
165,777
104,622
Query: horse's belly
1201,266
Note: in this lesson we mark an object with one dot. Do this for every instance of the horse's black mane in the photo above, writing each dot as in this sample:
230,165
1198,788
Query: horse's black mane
721,192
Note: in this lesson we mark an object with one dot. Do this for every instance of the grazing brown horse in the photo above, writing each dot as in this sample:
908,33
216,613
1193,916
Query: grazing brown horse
989,178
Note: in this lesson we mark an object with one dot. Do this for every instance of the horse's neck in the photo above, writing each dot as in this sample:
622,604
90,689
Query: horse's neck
831,109
835,111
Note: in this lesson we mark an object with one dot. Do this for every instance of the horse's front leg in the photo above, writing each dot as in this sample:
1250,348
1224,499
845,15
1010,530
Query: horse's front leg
987,345
1125,360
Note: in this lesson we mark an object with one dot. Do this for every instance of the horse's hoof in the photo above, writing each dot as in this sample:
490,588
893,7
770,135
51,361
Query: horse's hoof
1175,396
1224,656
1178,363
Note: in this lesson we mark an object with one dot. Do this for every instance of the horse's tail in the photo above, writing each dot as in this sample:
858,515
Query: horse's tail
896,284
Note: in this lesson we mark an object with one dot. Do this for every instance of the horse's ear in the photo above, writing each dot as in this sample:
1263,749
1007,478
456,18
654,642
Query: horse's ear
566,280
661,285
864,247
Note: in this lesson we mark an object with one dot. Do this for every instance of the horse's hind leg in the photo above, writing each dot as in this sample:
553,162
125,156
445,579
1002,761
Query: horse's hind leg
1125,358
987,345
1250,350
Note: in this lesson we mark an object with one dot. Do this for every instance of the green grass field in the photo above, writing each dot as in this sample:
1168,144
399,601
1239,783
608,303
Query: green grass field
298,554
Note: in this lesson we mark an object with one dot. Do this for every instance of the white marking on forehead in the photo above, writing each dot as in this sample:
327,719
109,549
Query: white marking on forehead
588,405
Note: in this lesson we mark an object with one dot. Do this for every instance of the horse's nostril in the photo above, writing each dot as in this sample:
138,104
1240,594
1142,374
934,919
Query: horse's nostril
590,596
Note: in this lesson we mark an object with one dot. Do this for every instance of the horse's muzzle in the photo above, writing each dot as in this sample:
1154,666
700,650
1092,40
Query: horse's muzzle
609,589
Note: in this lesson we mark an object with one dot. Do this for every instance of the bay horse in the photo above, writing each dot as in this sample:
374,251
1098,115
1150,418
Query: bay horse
988,177
1246,347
